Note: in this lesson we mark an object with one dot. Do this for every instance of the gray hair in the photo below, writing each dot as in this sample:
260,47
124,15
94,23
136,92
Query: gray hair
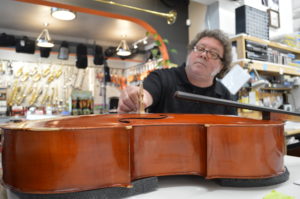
224,39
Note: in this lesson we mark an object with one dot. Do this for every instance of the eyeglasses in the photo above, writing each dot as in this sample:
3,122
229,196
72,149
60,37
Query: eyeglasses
210,54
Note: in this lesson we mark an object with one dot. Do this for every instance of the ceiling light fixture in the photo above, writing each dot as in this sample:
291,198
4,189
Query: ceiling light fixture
123,49
143,40
44,39
63,14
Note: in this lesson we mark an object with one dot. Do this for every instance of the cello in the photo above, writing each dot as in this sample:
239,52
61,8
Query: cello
81,153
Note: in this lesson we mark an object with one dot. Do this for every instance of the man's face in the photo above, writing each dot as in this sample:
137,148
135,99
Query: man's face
205,60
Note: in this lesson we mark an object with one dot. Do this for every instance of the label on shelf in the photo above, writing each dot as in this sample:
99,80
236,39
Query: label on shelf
265,67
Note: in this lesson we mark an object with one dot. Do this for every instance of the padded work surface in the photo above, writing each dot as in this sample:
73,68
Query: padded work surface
145,185
139,186
254,182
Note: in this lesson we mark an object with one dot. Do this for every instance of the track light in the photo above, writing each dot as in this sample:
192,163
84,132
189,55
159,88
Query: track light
143,40
259,83
63,14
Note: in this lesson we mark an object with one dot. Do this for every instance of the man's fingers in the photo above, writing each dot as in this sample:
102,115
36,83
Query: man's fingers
129,101
122,108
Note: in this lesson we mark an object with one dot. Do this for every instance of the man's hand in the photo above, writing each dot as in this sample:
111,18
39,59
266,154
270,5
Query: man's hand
129,99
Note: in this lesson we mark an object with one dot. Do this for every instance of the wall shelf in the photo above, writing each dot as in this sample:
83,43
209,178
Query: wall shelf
269,67
264,66
243,37
261,49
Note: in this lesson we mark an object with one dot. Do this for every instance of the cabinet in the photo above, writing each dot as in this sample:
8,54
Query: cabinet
269,59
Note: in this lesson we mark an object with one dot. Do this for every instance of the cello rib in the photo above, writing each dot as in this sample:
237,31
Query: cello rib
72,154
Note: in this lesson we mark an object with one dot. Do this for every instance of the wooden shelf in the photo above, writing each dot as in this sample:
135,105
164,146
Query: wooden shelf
276,89
243,37
265,68
292,132
270,67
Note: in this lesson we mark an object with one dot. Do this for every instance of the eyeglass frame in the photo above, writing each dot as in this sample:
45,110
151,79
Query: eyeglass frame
210,54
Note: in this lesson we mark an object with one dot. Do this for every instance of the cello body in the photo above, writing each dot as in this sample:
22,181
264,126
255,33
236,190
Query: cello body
79,153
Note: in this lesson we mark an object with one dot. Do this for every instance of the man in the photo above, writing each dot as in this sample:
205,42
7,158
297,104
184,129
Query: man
209,56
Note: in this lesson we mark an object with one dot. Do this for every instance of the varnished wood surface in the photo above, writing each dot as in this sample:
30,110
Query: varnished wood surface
113,120
90,152
284,117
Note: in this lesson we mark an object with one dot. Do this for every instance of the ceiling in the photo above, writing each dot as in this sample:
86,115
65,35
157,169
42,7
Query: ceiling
20,18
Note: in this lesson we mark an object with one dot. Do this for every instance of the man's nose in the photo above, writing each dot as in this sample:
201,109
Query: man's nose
203,54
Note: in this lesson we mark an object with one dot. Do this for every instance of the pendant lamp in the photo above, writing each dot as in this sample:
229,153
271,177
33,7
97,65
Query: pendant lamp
44,39
123,49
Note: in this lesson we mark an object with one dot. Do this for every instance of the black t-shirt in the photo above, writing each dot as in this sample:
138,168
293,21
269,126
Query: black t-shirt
163,83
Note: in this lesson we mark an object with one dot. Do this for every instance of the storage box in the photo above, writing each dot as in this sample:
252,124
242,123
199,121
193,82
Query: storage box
252,21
